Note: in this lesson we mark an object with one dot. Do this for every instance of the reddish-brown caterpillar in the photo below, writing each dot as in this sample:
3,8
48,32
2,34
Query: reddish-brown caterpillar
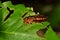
35,18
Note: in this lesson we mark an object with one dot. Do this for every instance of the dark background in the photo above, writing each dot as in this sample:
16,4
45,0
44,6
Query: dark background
36,4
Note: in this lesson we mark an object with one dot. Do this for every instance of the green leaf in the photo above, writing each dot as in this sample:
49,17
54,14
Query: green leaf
51,35
1,16
14,27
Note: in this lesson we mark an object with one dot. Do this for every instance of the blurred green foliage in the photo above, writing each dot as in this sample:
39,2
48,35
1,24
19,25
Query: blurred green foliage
54,16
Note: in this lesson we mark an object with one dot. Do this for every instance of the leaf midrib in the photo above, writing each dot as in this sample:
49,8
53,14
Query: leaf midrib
17,33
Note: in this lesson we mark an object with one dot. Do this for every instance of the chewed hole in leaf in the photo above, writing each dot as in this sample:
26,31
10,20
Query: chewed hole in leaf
10,12
41,32
24,14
